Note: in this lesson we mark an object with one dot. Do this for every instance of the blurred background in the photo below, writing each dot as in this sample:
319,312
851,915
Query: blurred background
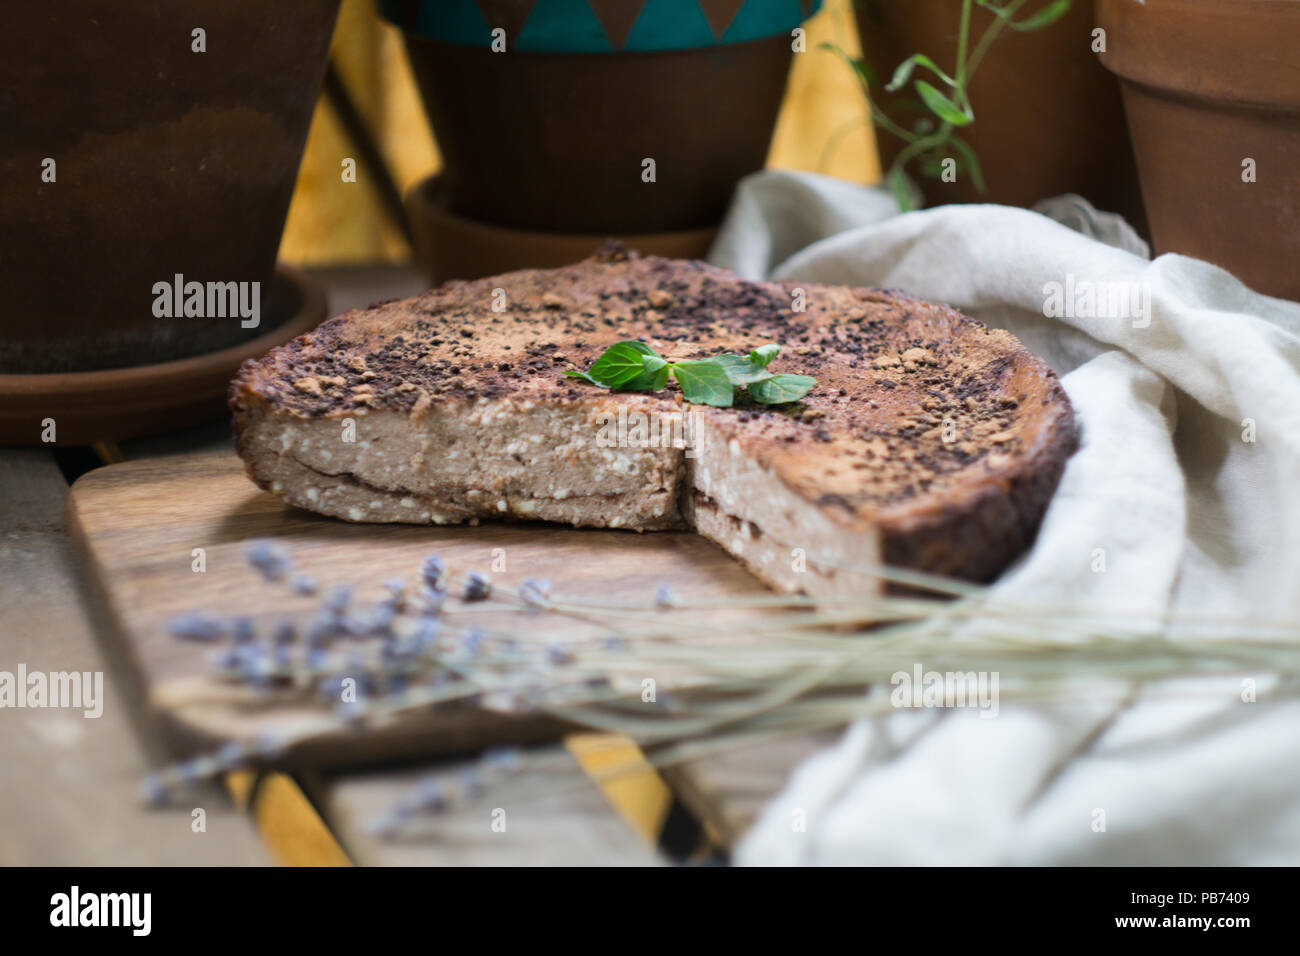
303,148
822,127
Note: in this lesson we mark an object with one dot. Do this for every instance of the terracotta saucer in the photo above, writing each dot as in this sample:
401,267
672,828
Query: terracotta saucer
120,403
452,246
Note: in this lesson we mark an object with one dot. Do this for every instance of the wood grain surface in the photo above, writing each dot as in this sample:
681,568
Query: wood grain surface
139,523
557,818
70,786
728,791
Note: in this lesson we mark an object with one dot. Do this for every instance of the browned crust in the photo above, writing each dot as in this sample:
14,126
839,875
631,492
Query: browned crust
979,538
866,446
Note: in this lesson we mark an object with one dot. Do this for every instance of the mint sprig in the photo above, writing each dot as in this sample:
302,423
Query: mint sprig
633,366
704,382
780,389
929,144
619,365
741,369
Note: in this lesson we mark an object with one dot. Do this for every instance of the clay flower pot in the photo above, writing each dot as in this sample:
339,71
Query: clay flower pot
1048,117
128,158
452,246
553,133
1212,92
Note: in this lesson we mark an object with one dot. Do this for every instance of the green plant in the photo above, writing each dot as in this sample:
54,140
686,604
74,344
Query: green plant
932,141
633,366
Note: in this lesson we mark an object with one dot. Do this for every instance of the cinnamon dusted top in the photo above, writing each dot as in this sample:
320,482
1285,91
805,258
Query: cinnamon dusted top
916,405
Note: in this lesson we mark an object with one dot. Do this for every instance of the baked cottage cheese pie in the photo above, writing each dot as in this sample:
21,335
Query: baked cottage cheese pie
930,441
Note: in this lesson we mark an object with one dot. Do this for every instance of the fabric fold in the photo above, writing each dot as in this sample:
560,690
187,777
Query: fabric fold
1185,492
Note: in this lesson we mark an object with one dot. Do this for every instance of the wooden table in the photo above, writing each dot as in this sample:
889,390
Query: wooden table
70,787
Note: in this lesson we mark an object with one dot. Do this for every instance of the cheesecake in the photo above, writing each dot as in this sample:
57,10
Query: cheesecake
929,441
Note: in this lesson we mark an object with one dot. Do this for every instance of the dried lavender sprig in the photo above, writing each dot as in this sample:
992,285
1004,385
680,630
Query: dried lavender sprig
436,793
268,557
800,624
162,784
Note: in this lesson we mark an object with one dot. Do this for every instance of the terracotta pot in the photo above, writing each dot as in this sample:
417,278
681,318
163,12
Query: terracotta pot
449,245
1209,85
166,161
119,403
553,133
1048,117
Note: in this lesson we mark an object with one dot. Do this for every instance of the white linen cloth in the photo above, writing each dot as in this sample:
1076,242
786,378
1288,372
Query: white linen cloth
1190,514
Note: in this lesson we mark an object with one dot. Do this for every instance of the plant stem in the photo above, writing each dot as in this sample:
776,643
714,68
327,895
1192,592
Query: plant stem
878,115
920,145
963,36
991,34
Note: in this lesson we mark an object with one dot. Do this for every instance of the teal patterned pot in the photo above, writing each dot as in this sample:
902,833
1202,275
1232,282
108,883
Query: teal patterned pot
547,111
599,26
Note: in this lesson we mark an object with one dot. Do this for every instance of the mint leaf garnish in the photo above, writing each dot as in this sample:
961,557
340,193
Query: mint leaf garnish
653,377
780,389
741,369
704,382
620,364
633,366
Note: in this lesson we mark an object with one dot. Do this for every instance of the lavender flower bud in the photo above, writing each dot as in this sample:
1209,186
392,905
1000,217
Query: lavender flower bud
196,626
244,630
284,634
154,791
303,584
558,654
535,592
433,601
431,795
230,755
478,586
425,635
472,642
269,558
380,620
340,600
396,588
434,572
471,784
503,759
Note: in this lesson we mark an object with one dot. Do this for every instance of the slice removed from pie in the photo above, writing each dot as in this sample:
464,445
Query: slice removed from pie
930,441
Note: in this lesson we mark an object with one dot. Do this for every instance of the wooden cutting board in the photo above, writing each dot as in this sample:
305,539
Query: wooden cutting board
140,522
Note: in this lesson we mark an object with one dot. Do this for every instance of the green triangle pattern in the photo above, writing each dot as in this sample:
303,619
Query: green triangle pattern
764,18
570,26
563,26
670,25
